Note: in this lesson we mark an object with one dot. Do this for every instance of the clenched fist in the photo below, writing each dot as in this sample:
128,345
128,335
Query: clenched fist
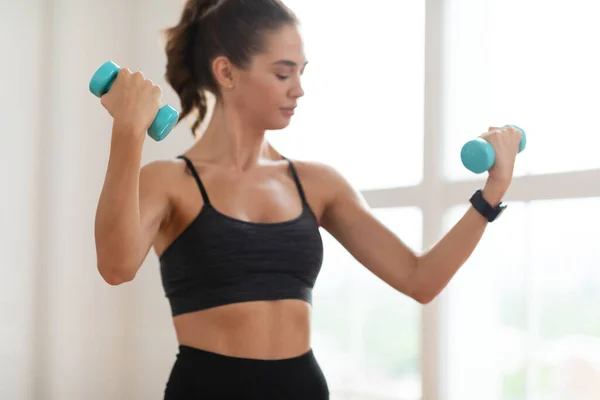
505,142
133,102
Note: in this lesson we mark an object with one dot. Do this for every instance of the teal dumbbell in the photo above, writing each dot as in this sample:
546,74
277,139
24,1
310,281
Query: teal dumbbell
478,155
165,119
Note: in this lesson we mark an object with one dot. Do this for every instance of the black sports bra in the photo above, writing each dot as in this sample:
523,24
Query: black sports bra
220,260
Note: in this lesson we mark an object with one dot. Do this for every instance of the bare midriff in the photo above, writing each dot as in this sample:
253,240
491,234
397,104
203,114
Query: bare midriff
267,330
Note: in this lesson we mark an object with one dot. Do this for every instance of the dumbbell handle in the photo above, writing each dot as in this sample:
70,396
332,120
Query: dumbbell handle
478,155
165,119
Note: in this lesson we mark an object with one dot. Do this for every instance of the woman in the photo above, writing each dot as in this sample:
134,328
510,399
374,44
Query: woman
234,223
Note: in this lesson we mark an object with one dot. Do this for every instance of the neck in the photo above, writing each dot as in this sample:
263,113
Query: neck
231,142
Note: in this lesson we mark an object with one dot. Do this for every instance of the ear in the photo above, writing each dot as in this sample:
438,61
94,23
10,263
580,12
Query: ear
225,73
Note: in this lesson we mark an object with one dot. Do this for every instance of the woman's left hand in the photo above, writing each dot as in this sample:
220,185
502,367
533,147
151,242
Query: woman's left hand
505,142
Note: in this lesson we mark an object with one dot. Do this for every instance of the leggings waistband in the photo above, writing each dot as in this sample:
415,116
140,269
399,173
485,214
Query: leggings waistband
209,356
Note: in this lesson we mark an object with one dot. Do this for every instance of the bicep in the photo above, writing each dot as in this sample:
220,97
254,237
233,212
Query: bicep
347,218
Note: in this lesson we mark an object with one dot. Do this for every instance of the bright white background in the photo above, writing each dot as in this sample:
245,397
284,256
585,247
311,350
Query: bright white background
393,90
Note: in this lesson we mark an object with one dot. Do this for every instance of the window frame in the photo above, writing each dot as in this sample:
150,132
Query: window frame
435,195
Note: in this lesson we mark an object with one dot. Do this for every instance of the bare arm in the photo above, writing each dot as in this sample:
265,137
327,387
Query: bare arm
132,204
436,267
130,211
421,277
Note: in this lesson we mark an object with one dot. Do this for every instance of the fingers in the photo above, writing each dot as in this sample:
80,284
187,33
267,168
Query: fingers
137,77
501,129
490,131
508,135
513,132
123,75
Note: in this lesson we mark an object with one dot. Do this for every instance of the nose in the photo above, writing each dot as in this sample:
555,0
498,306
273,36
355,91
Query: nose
297,91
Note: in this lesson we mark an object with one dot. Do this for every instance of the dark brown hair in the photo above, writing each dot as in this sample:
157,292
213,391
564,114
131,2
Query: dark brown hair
212,28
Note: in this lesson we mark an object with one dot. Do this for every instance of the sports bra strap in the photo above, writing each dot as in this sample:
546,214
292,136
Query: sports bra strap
297,180
197,178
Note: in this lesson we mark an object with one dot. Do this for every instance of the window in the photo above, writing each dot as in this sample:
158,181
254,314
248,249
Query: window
524,320
544,79
521,314
364,92
366,334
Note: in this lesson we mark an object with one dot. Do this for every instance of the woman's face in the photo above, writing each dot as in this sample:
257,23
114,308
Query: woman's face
268,91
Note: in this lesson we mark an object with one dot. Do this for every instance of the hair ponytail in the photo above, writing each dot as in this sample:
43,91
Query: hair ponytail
208,29
180,73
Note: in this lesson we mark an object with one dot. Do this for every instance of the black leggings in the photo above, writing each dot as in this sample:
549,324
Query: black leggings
199,374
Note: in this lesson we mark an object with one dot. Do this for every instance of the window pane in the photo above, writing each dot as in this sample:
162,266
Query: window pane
366,334
566,256
544,79
363,107
524,310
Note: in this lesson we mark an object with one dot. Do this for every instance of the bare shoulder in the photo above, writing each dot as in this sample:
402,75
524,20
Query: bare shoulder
161,172
159,178
159,181
325,179
322,174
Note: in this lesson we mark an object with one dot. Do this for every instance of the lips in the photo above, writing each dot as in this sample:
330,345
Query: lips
288,112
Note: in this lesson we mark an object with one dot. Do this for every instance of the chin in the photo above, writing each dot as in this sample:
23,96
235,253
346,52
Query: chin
278,125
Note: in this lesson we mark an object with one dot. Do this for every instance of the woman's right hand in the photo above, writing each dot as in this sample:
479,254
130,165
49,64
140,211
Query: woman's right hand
133,102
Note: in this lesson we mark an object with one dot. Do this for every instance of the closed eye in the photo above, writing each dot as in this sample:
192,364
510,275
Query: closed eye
282,77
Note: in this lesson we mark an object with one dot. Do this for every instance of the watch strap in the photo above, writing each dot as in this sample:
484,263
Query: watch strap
484,208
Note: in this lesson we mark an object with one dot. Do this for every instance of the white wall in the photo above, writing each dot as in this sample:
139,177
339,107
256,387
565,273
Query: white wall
64,333
20,80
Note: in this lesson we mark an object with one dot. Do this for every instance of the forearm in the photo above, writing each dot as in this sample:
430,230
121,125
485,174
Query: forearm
117,224
437,266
